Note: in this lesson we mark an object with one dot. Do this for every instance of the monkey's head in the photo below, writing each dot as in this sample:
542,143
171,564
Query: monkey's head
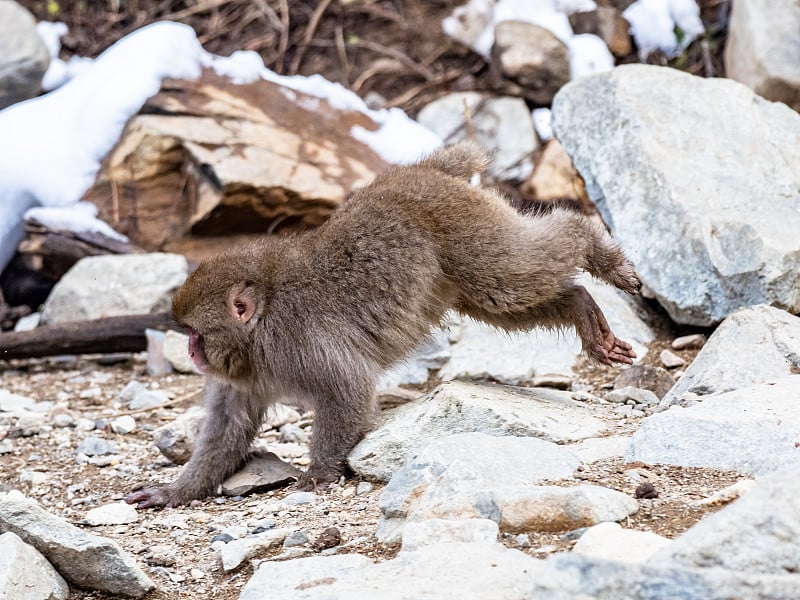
221,307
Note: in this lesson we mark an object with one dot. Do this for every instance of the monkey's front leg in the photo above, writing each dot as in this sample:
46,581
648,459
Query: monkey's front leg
339,424
232,422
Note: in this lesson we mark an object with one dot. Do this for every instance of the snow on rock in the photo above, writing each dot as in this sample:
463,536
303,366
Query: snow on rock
654,24
58,140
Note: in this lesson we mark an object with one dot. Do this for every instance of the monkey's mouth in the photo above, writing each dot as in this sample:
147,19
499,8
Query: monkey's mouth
197,351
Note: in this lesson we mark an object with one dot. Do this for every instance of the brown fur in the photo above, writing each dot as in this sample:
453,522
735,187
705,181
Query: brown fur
317,317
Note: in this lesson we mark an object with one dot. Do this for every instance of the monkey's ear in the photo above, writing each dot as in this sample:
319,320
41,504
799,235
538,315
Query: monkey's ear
243,301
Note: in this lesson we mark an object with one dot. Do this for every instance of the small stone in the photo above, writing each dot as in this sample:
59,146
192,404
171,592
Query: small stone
689,342
348,492
62,419
129,392
118,513
236,552
555,381
84,424
296,538
646,490
329,538
148,399
363,487
291,433
33,477
637,396
28,322
222,537
197,574
263,525
89,393
235,531
671,360
296,498
13,402
6,446
124,424
728,494
523,540
95,446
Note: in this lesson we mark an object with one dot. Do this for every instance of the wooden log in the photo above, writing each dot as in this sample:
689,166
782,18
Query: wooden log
107,335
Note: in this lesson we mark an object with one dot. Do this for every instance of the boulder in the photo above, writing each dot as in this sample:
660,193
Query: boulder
705,240
502,125
762,50
532,61
23,56
753,345
455,407
751,430
115,285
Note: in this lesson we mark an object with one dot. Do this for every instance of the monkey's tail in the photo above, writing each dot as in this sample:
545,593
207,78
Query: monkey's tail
463,159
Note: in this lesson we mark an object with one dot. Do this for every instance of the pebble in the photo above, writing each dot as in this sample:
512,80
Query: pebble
348,492
89,393
124,424
197,574
117,513
296,538
130,391
148,399
296,498
693,341
292,434
84,424
6,446
235,531
670,360
263,525
364,487
95,446
523,540
329,538
63,419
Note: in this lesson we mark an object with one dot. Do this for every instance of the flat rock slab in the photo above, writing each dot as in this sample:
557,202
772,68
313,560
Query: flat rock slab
705,241
263,472
25,574
753,345
443,571
455,407
235,552
82,558
758,533
613,542
751,430
571,576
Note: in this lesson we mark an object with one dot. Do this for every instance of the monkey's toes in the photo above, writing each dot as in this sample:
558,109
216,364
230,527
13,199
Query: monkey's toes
149,498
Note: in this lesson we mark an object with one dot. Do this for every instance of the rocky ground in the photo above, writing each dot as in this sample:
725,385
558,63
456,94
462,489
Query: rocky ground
78,398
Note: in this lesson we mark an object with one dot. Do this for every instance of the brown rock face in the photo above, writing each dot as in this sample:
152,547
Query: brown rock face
211,158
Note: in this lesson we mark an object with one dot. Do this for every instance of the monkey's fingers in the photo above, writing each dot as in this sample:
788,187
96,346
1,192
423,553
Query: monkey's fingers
622,352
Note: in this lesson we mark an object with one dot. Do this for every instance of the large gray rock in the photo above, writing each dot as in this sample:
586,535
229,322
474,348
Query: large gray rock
763,51
115,285
572,576
751,430
23,56
82,558
611,541
534,61
472,475
446,571
502,125
25,574
753,345
758,533
456,407
705,240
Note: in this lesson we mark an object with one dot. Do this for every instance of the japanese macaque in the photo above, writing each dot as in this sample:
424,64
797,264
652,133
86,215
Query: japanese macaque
319,316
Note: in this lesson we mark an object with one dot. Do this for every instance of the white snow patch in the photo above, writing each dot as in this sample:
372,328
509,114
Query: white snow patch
588,54
240,67
653,24
59,72
397,141
80,217
542,123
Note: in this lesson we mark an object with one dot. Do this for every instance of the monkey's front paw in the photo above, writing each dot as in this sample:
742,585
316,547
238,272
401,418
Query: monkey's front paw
626,279
154,497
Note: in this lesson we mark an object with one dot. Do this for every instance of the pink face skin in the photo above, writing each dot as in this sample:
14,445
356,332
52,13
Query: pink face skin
197,351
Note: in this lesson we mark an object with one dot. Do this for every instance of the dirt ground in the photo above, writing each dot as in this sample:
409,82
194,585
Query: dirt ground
174,546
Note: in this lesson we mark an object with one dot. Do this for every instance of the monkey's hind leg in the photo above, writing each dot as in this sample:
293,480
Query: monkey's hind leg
573,307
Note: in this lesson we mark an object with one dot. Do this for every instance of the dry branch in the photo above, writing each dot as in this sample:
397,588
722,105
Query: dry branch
107,335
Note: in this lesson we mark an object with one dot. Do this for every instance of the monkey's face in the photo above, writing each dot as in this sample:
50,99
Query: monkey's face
221,318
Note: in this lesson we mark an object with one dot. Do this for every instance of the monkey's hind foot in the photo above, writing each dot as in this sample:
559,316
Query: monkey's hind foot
315,480
626,279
